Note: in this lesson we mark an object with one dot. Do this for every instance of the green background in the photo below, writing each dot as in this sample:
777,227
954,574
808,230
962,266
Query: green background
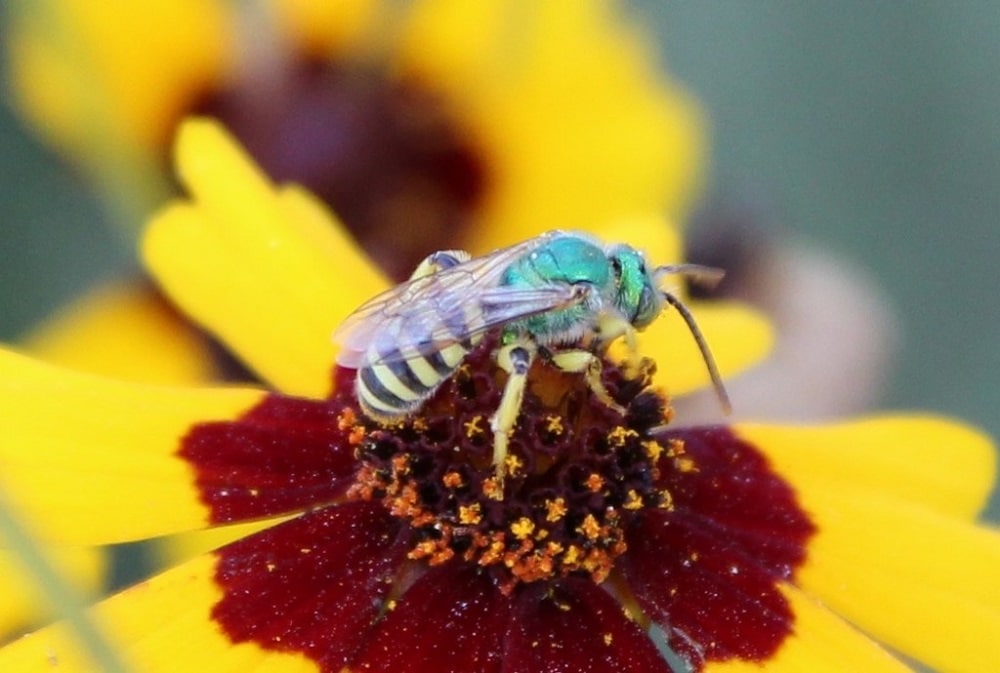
873,129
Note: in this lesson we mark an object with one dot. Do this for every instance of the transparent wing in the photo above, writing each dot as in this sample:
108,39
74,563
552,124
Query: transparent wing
428,314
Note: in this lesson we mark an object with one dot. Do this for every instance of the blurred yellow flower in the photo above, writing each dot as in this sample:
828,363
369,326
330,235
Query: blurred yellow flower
412,121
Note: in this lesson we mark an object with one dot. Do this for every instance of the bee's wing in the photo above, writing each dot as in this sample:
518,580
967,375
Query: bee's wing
427,314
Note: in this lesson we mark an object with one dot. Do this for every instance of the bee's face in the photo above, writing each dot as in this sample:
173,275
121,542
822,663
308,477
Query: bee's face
637,296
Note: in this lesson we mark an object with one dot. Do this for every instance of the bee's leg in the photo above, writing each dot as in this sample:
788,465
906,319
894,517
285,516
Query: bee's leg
439,261
514,359
610,328
578,361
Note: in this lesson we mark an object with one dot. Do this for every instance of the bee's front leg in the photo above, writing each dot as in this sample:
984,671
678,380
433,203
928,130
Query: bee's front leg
609,328
578,361
515,359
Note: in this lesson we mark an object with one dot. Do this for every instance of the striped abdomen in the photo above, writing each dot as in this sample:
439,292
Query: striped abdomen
393,385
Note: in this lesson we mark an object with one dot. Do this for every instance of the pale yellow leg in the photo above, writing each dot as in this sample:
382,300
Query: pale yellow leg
515,359
583,361
609,328
439,261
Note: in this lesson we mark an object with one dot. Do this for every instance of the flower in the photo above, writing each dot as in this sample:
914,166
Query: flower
743,547
393,114
413,122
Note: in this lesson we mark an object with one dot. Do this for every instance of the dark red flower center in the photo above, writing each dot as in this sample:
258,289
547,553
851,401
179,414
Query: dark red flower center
387,155
666,538
578,471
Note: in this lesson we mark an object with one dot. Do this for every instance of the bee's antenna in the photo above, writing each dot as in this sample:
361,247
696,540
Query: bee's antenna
706,354
705,276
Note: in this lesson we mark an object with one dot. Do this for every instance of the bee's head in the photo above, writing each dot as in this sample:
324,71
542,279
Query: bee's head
637,296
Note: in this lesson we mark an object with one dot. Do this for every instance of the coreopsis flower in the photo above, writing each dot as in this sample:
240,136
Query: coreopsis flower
412,121
620,541
422,124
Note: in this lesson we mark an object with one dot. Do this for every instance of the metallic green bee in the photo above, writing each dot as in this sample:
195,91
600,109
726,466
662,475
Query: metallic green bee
562,295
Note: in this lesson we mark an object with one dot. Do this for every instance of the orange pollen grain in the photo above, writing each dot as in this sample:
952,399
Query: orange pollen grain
685,464
492,489
522,528
346,418
470,515
554,424
401,464
357,436
620,435
666,500
675,447
595,482
513,464
634,501
453,480
473,427
493,553
589,528
653,449
555,509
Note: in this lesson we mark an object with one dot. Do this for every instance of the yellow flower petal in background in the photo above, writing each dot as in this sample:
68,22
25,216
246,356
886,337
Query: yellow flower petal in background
923,583
428,118
162,624
268,272
328,29
737,335
922,459
123,331
89,460
822,643
891,499
566,103
116,68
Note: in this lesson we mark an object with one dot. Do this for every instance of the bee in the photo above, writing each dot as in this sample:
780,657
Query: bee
562,295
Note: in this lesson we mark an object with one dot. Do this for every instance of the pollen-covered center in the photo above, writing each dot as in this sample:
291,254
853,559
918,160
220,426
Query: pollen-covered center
577,471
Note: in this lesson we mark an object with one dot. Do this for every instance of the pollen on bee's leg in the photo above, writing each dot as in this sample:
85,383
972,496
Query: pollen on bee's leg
572,476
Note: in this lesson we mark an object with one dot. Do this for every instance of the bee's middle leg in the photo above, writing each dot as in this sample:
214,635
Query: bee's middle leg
578,361
516,360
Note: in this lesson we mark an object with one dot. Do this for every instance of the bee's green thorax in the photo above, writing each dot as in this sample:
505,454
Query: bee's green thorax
564,259
637,299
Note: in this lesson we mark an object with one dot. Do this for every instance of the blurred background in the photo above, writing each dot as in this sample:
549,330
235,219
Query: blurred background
869,130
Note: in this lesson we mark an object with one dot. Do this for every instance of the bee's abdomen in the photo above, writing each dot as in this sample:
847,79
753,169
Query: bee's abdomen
396,386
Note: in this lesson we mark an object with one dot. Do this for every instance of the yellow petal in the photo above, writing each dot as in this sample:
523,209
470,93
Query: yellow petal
175,549
892,553
163,624
576,125
124,331
268,272
938,463
89,460
326,29
92,76
924,583
85,568
737,336
821,643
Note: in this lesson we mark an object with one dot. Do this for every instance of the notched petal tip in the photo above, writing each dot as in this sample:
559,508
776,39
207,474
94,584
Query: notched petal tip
268,271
